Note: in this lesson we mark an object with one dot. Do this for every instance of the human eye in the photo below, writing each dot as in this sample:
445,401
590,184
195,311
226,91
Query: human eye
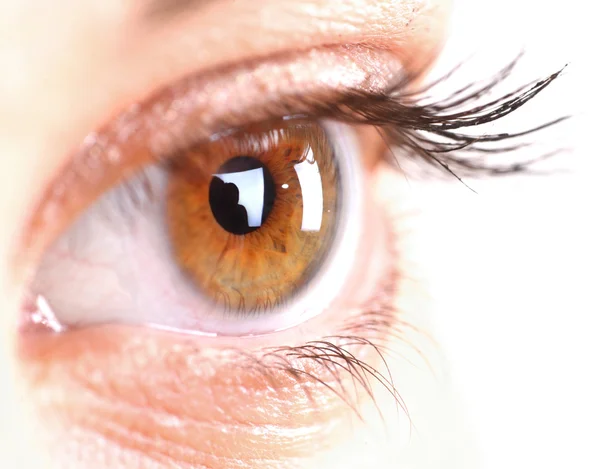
236,231
216,268
250,232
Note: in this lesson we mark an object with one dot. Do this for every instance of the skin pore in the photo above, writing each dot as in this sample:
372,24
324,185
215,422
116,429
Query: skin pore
70,67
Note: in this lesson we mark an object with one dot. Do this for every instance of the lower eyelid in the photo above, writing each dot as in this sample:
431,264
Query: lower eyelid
373,146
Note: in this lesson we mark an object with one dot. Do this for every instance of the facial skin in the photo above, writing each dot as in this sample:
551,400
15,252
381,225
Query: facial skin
68,68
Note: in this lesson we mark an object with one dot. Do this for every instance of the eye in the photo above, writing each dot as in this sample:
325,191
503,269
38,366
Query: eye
248,232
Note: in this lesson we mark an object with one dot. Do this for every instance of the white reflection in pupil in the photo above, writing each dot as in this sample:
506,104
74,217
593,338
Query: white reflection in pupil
242,194
251,190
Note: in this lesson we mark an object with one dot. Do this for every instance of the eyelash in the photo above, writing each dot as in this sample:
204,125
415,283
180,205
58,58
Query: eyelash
430,132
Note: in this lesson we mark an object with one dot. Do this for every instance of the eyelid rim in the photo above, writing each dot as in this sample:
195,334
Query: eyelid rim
152,130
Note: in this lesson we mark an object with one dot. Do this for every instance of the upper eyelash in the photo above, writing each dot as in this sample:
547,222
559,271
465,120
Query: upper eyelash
430,131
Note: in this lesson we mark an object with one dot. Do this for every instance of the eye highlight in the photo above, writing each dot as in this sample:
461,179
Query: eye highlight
251,215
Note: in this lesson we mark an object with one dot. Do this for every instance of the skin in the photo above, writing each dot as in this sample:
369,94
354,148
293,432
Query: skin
70,67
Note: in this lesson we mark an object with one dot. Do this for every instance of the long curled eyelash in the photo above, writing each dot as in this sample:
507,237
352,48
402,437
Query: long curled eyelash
430,131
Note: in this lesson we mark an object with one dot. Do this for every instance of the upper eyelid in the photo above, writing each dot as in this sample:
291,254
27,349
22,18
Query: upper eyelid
196,108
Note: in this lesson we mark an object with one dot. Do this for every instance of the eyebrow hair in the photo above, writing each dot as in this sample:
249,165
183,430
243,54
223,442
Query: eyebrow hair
163,10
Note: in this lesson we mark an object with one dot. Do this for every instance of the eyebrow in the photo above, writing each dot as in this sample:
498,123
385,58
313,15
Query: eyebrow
163,10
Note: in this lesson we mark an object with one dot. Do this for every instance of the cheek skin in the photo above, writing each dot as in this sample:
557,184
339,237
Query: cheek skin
142,397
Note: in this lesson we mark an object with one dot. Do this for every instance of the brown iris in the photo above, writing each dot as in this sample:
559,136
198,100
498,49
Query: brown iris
252,214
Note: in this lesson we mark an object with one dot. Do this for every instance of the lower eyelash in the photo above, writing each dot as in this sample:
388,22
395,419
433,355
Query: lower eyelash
336,358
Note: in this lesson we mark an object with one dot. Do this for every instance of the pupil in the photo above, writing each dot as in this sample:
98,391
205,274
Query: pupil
241,195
